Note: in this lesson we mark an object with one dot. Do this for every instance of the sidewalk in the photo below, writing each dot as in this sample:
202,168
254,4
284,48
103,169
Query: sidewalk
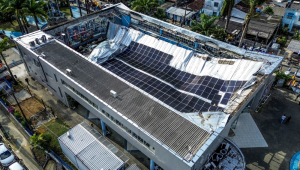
20,142
71,117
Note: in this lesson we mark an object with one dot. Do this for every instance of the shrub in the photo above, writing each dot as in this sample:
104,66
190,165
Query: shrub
18,114
24,123
281,75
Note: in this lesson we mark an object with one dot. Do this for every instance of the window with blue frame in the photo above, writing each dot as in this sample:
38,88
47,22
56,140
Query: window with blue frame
290,15
216,4
299,18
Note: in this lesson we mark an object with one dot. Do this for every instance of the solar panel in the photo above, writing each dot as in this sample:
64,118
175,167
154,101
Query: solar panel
168,83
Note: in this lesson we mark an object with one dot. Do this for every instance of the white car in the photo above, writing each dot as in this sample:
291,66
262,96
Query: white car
6,157
16,166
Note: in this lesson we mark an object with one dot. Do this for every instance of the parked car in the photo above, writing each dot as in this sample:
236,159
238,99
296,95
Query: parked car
16,166
6,157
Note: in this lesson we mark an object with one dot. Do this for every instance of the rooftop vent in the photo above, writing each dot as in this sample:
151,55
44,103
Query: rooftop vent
69,72
114,94
37,41
32,43
44,39
68,134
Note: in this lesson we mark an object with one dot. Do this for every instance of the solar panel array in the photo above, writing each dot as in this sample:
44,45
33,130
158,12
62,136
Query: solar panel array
170,85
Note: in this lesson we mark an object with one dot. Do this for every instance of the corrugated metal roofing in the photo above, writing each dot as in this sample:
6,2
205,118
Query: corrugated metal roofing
91,152
294,46
97,157
133,167
166,126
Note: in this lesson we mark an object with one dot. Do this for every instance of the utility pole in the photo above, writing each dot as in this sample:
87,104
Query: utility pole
185,12
13,94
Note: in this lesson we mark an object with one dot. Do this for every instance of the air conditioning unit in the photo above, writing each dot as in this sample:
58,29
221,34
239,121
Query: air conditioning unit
114,94
69,72
44,39
32,43
37,41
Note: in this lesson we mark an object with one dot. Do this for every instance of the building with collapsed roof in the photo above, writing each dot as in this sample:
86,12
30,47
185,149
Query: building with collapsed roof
171,93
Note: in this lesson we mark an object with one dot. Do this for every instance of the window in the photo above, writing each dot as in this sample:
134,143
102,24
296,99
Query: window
299,18
55,77
214,13
146,144
216,4
290,15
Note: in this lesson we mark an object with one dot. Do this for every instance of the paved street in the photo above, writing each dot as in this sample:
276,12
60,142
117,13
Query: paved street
282,139
20,142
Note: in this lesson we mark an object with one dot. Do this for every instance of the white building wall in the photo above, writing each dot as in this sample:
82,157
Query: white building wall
68,153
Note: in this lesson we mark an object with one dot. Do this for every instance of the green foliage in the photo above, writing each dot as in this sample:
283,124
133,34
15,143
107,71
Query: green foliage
282,41
18,114
208,28
281,75
36,10
23,123
226,11
160,14
296,36
144,5
268,10
41,140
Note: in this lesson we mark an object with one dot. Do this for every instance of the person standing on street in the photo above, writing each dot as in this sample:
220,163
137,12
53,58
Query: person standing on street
27,80
282,118
288,119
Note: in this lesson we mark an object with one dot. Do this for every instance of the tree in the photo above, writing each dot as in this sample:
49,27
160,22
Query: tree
5,16
252,4
41,140
3,47
16,7
206,25
160,14
226,11
36,10
268,10
143,5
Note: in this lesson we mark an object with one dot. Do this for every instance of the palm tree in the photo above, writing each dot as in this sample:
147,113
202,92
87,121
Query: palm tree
252,4
16,6
3,47
36,10
160,14
226,11
206,25
7,16
143,5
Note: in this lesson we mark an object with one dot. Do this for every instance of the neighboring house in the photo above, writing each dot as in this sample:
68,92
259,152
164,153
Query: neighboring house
159,87
178,13
212,8
291,17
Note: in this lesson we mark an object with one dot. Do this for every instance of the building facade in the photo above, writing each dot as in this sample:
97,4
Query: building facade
291,18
